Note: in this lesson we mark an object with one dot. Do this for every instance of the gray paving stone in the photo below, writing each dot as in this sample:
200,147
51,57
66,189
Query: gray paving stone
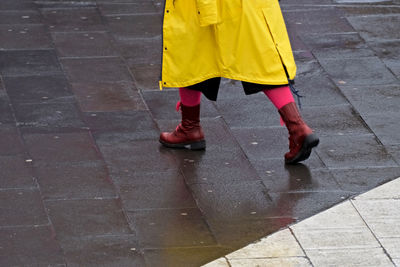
91,44
48,117
146,25
72,181
30,209
73,19
60,148
270,262
389,51
147,76
362,180
16,173
107,70
395,152
365,152
10,140
8,5
384,125
234,201
140,50
385,27
183,257
20,17
358,72
119,250
107,96
126,8
171,228
6,114
334,120
38,89
17,36
373,99
391,246
28,63
84,218
349,45
131,176
352,10
25,246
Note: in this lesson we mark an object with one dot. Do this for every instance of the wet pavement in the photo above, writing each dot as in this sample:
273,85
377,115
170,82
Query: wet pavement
84,181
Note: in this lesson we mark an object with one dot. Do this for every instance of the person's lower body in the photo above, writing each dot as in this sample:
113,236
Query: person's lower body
189,134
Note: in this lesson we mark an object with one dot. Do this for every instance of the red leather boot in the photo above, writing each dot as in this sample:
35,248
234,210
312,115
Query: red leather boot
301,137
188,134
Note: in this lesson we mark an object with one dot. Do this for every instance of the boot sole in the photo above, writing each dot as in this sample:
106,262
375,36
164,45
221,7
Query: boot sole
310,142
198,145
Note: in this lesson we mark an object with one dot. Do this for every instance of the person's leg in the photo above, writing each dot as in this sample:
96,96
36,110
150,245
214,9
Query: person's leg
188,134
301,137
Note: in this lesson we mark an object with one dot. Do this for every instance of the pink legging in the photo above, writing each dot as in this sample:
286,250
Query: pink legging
280,96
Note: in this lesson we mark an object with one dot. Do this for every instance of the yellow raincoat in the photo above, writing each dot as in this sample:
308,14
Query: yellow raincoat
243,40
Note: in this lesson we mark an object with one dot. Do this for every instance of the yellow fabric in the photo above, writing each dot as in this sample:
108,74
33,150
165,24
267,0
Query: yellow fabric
237,39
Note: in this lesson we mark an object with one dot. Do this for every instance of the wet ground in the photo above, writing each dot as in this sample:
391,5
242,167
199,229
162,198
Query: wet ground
84,181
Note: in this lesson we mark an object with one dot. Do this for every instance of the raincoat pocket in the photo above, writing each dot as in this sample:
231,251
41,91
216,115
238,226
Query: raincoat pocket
207,12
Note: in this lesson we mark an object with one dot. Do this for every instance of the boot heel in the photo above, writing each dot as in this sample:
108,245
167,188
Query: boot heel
200,145
311,141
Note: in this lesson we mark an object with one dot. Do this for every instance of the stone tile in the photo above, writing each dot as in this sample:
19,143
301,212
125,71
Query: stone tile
184,257
364,179
147,155
93,44
17,36
221,262
146,25
126,8
316,86
21,207
391,246
140,50
99,97
280,244
24,246
239,233
381,215
8,5
337,45
334,120
386,191
38,89
396,261
373,99
40,62
351,10
389,51
385,26
342,216
6,114
74,19
270,262
52,117
217,169
253,111
353,152
15,173
279,177
10,141
122,121
318,20
60,148
301,205
365,71
162,196
395,152
65,4
147,76
233,202
384,126
349,257
171,228
69,181
107,70
162,105
20,17
120,250
80,218
335,238
135,177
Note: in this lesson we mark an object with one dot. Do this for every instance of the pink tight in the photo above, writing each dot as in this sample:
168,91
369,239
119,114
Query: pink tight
280,96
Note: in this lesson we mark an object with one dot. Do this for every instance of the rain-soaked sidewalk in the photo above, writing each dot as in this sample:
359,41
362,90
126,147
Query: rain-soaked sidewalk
84,181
